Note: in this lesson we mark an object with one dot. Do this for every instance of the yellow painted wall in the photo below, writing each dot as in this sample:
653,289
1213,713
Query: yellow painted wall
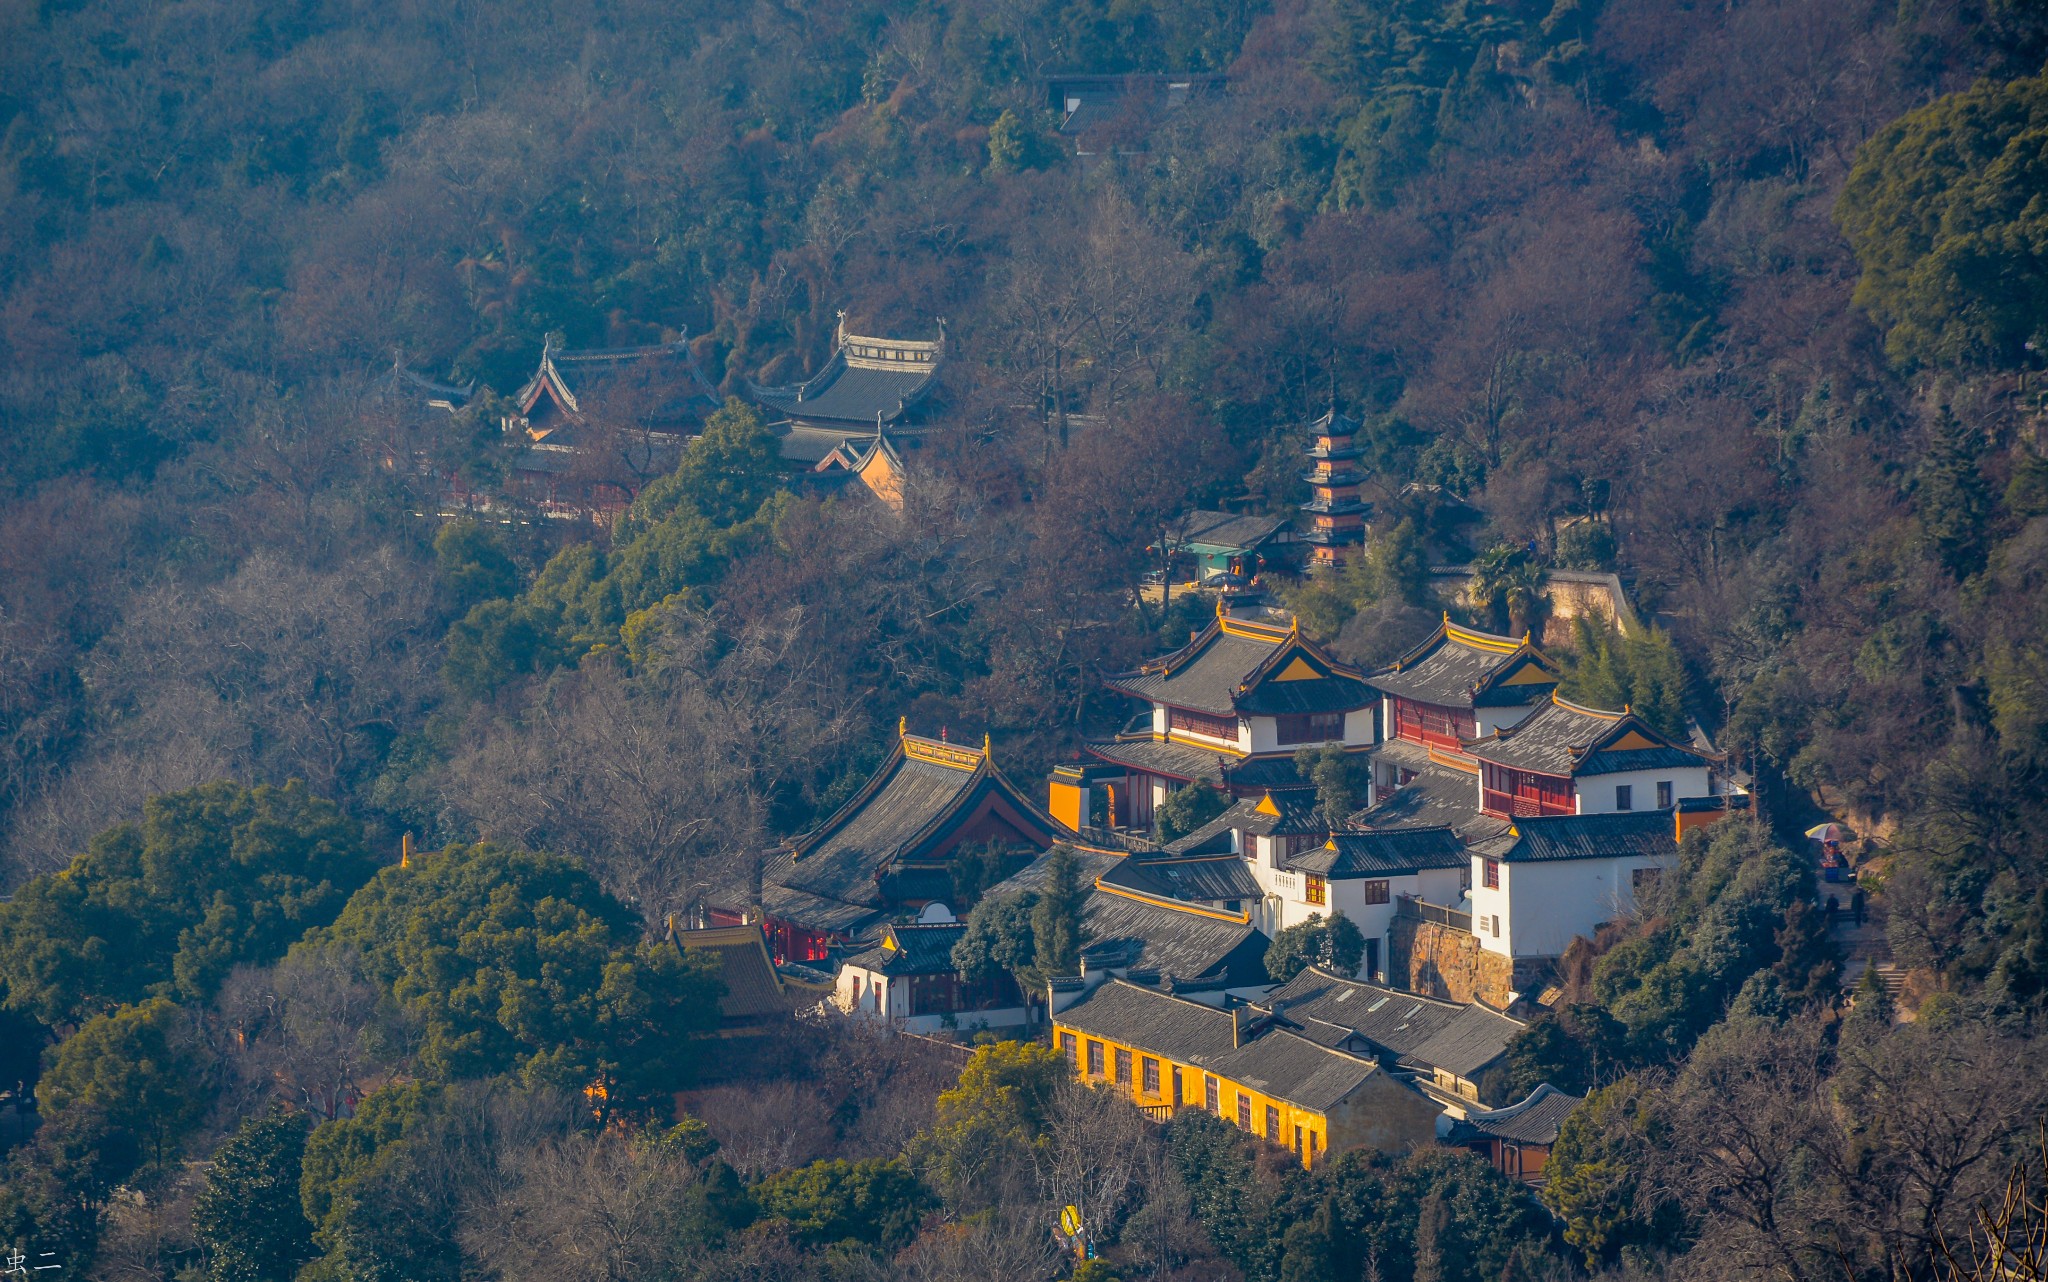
1068,804
1194,1094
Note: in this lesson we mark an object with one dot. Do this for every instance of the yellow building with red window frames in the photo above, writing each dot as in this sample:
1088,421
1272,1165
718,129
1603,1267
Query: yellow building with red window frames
1246,1065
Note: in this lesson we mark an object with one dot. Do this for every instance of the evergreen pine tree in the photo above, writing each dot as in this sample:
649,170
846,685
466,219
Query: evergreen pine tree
249,1216
1056,918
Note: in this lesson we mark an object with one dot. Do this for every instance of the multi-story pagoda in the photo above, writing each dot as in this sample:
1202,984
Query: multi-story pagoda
1336,513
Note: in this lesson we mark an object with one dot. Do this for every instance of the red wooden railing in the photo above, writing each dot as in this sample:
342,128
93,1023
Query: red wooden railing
1505,805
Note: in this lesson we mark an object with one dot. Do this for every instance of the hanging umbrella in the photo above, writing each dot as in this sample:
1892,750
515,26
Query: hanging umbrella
1825,832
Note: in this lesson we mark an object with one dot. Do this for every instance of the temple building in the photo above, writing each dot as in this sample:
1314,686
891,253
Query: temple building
908,979
754,997
873,463
1229,709
1455,1052
870,384
889,850
1170,1052
1336,514
1564,759
1516,1139
1364,875
599,424
1319,1066
1549,880
1225,543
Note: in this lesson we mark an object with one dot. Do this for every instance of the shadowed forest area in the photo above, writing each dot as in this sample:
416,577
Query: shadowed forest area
1742,301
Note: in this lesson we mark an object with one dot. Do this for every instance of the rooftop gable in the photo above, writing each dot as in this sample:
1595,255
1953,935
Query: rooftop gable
920,795
869,381
1566,740
1458,667
657,386
1243,666
752,986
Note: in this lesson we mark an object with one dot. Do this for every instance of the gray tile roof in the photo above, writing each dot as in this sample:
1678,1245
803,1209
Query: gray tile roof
1533,1120
1436,796
1625,834
1552,739
816,912
1294,1068
1227,530
659,385
1614,763
1151,1020
1334,693
751,986
1174,760
1417,1031
1186,943
1275,1062
1205,675
922,950
852,394
1381,854
1212,878
857,847
1177,942
1455,668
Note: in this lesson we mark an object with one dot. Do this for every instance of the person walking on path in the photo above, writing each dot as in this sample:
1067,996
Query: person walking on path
1834,906
1856,906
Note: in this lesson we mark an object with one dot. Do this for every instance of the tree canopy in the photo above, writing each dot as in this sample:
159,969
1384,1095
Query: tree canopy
518,962
1944,211
212,877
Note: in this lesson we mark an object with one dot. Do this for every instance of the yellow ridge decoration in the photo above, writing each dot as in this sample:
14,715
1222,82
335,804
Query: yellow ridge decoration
1176,905
941,754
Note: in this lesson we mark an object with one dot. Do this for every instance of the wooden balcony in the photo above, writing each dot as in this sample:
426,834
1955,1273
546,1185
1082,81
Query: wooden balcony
1508,806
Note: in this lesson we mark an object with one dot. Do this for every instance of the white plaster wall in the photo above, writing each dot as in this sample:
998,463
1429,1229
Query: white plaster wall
1235,743
1159,721
1492,719
1441,886
1359,729
1596,792
1261,734
1543,906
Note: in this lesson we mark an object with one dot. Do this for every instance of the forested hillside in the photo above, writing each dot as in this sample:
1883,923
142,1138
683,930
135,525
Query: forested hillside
1742,301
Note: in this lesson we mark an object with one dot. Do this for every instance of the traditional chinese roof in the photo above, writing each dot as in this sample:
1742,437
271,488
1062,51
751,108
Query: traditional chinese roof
922,949
1418,1032
1441,791
752,988
658,388
1239,666
1382,854
1199,878
1534,1120
1155,930
868,382
1226,531
1173,760
1272,1060
909,811
1624,834
1565,740
1294,1068
1463,668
